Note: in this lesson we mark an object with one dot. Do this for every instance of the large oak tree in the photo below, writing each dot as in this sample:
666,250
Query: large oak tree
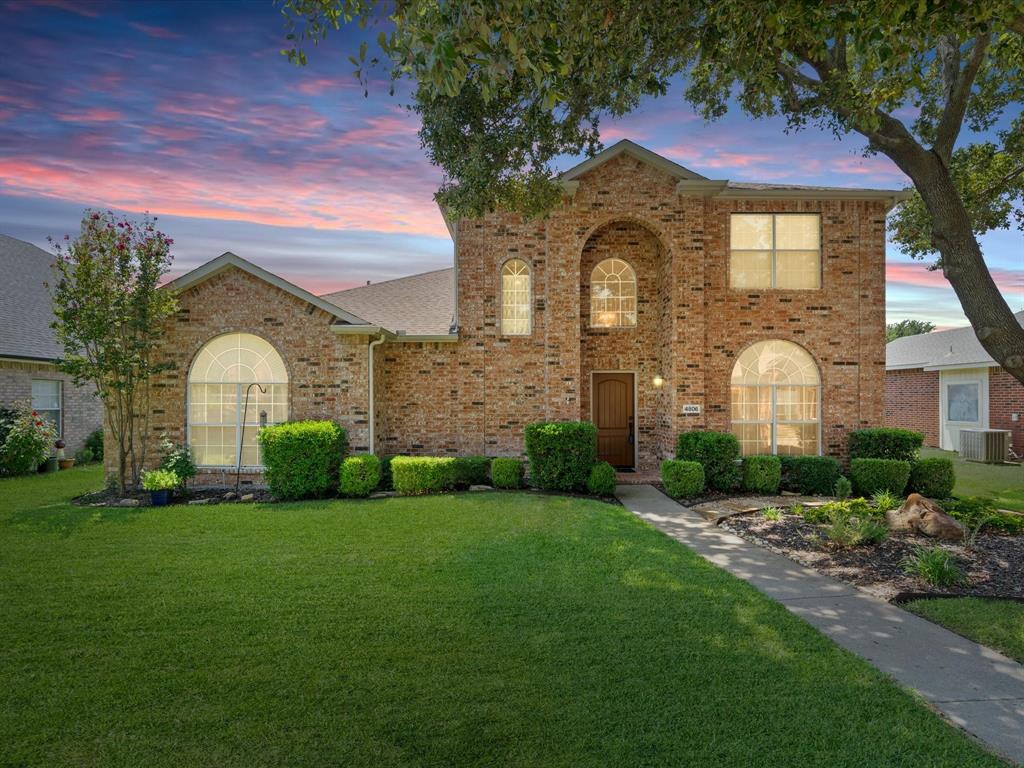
505,86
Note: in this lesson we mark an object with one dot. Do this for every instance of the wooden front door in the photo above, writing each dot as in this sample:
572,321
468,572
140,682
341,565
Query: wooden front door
613,415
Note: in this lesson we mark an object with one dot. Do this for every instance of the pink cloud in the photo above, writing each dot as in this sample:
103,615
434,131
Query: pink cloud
90,115
918,275
320,85
78,7
161,33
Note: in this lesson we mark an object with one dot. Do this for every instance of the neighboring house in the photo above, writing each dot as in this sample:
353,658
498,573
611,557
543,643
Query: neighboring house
653,301
941,382
29,353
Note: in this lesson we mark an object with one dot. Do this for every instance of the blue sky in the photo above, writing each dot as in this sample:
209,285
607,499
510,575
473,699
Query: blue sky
189,111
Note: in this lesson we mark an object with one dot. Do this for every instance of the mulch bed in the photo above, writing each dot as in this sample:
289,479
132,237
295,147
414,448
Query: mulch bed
994,566
112,498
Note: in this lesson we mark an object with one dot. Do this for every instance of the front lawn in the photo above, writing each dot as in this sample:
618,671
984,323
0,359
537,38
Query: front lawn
1003,483
473,629
998,624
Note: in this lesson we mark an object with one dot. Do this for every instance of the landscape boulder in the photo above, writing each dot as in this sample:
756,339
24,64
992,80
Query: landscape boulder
924,516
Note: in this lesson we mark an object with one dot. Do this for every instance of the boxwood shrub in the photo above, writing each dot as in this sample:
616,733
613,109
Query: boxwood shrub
386,483
302,458
360,475
869,476
682,479
472,470
762,474
810,475
506,473
561,454
413,475
885,443
717,452
933,478
602,479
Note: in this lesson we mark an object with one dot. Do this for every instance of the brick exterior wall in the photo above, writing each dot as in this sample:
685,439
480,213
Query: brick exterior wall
82,411
1006,398
912,402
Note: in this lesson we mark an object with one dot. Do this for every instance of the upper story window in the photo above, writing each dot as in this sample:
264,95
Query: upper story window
775,250
613,295
47,401
515,298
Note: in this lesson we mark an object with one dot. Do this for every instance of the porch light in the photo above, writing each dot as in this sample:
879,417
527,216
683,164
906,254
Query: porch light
657,381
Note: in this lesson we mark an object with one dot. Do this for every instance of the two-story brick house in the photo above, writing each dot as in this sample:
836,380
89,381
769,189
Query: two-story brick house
652,301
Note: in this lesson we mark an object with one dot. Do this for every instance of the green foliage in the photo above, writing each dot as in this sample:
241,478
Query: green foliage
94,442
177,459
302,458
885,443
843,488
601,481
682,479
386,481
160,480
359,475
884,500
7,417
717,452
84,456
810,475
507,473
935,566
833,510
561,454
870,476
934,478
28,443
845,531
903,328
762,474
978,513
472,470
414,475
771,513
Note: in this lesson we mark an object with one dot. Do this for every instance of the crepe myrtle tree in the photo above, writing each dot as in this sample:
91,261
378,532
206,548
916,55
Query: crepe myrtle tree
109,316
505,86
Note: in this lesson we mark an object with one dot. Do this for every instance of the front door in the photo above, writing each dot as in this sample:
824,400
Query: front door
963,403
613,415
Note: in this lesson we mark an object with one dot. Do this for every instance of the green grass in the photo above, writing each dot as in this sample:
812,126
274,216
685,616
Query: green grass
469,630
998,624
1004,484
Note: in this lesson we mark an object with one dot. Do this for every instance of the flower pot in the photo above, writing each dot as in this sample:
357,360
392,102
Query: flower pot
50,465
160,498
65,463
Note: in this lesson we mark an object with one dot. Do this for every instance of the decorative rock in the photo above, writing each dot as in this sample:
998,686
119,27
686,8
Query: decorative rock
230,496
939,525
128,503
480,488
902,519
248,497
925,516
197,502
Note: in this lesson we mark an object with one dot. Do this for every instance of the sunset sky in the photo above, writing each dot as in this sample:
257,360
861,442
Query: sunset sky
189,111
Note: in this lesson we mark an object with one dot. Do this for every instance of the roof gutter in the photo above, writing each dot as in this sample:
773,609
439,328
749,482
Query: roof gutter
720,188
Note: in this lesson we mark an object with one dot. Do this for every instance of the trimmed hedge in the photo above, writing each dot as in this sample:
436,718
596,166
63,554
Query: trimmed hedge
810,475
561,454
885,443
413,475
302,458
717,452
762,474
682,479
386,483
507,473
360,475
933,478
472,470
869,476
602,479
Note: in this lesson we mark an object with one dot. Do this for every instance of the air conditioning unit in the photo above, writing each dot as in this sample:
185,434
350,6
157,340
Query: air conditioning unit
991,446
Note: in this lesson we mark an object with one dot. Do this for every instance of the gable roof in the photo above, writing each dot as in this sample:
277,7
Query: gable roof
27,310
418,305
627,147
955,348
227,260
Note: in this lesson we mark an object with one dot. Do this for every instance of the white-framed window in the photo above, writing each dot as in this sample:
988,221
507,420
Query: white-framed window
515,298
218,381
775,250
963,401
48,401
613,295
776,400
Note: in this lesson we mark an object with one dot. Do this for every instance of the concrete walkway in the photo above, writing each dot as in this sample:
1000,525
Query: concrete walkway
978,689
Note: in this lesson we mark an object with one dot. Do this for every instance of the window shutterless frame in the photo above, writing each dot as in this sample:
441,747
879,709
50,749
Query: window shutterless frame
508,268
775,251
48,401
239,400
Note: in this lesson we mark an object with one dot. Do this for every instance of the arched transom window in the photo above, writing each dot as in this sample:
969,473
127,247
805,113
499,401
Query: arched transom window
515,298
776,400
612,294
217,385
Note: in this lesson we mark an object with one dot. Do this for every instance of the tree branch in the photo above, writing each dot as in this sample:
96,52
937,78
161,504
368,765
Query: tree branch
958,94
1016,24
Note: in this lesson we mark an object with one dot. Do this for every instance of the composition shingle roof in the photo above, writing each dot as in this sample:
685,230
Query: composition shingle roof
419,305
957,347
25,308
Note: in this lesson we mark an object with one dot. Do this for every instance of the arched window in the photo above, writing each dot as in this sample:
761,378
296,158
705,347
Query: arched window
217,384
612,294
776,400
515,298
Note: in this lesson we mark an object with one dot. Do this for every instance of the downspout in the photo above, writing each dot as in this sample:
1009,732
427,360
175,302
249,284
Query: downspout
370,398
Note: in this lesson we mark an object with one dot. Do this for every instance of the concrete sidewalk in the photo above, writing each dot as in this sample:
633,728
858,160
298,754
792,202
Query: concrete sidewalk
978,689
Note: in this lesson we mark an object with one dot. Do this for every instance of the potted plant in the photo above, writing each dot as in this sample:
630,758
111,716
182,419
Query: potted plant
62,461
52,463
160,483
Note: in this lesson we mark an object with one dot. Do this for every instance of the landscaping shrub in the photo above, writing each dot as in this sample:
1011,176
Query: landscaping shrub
602,479
978,513
359,475
772,513
302,458
177,459
933,478
885,443
94,442
884,501
7,417
84,456
843,488
160,480
847,531
717,452
870,476
810,475
386,483
414,475
935,566
682,479
472,470
506,473
762,474
833,510
28,443
561,454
